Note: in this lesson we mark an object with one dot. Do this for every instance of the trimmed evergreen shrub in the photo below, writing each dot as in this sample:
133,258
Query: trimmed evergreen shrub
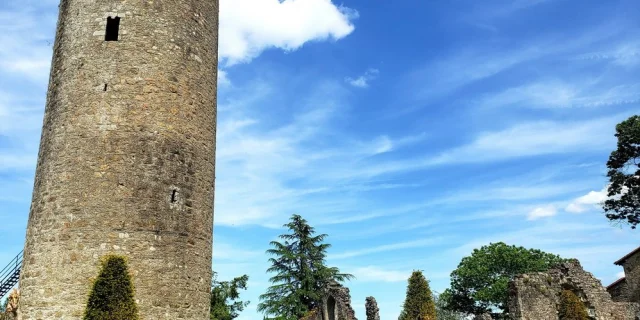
571,307
111,297
419,302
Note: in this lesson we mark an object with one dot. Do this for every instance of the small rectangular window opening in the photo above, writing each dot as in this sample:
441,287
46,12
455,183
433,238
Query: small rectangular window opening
113,28
173,196
105,87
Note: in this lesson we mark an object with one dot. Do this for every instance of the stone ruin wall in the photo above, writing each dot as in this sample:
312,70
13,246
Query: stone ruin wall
336,306
371,308
536,296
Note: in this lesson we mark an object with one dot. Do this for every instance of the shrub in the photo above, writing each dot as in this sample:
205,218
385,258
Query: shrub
111,297
571,307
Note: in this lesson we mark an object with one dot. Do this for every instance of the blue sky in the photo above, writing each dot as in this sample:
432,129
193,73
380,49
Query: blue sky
409,131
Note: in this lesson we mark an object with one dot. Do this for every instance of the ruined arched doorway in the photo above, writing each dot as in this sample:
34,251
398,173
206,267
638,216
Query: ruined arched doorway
331,308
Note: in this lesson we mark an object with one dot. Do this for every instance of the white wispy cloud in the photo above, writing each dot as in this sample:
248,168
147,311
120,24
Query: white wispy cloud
542,212
377,274
587,202
535,138
624,54
223,78
248,27
389,247
564,94
363,80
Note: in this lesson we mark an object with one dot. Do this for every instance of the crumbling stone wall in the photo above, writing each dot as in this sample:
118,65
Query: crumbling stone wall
335,306
536,296
342,309
372,310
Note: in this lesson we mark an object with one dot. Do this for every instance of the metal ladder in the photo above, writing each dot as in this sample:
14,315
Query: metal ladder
10,275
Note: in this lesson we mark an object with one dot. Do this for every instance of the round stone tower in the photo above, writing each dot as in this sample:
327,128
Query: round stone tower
127,158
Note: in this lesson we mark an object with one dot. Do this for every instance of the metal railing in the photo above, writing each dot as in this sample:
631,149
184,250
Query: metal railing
10,275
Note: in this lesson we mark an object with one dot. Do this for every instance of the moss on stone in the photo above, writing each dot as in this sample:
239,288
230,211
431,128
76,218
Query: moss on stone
571,307
111,297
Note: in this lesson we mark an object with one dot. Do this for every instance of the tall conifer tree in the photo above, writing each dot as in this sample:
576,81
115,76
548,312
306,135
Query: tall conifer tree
419,304
301,276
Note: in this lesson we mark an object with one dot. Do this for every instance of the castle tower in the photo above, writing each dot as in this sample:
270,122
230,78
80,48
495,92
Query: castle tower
127,158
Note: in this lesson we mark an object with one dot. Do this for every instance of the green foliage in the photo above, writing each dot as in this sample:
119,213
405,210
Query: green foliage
624,175
480,283
111,297
418,304
301,276
442,313
571,307
225,295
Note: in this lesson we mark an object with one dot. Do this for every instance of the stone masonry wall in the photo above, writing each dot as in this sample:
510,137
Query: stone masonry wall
620,292
535,296
632,275
126,161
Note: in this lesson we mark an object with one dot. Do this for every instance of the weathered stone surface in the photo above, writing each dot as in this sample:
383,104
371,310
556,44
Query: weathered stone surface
628,288
371,307
126,160
536,296
619,291
336,305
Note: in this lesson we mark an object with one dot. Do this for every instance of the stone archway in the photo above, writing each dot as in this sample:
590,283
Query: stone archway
331,308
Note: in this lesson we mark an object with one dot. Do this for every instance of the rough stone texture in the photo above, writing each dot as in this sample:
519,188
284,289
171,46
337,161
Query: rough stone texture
371,307
619,291
631,266
536,296
127,157
336,305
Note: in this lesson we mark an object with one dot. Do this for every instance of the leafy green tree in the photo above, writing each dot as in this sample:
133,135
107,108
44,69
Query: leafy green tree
111,297
442,313
418,305
480,283
571,307
623,204
225,295
301,276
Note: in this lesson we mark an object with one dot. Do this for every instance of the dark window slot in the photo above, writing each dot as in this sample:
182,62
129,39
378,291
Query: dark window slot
113,28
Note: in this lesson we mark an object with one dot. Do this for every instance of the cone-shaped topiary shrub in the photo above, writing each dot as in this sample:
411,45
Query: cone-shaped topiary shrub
111,297
419,302
571,307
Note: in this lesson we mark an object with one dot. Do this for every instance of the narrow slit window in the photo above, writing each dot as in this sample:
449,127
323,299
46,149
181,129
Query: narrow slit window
113,28
105,87
174,196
